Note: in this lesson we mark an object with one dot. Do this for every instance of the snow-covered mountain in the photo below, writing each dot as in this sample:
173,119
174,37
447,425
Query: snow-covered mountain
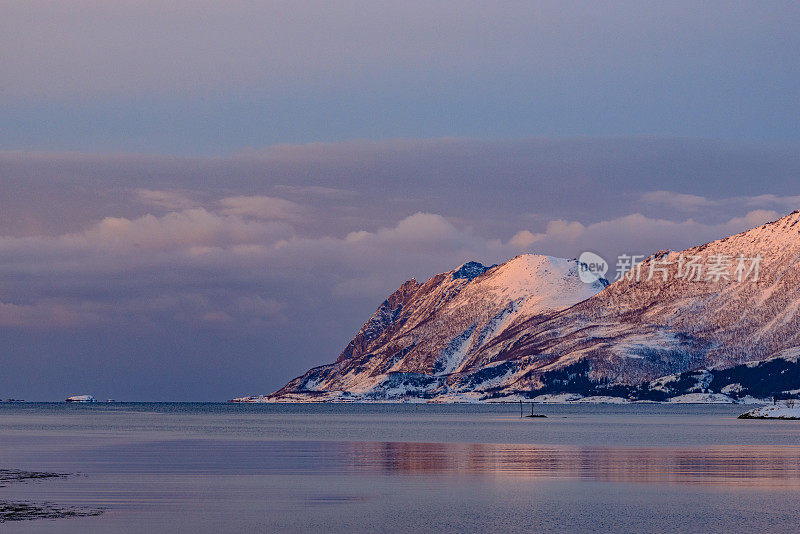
443,331
531,326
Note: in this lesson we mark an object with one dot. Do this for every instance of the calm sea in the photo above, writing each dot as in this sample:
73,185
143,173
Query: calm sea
181,467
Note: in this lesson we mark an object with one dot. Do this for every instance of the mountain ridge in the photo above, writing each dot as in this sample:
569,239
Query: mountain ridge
508,330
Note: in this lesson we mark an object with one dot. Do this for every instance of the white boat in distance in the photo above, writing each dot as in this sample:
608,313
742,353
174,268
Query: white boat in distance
81,398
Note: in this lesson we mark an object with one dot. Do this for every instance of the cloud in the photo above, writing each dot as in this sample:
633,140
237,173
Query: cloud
199,265
188,228
315,190
489,184
423,229
558,229
46,315
262,207
171,200
686,202
679,201
787,202
261,258
135,269
632,234
254,310
193,264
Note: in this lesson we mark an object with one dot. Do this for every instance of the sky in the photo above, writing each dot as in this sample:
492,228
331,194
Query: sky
201,200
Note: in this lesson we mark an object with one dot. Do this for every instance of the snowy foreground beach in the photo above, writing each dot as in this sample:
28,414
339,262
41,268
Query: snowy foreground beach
781,410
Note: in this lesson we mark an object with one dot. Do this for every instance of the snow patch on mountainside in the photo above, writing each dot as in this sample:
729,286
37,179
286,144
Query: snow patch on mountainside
456,351
540,282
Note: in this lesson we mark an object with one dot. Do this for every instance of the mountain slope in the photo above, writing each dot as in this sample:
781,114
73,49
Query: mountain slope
530,325
637,330
438,330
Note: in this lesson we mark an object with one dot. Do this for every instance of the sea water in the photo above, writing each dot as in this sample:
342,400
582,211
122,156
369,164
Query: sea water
185,467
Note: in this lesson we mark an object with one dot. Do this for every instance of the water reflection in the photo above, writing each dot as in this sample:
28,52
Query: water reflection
766,466
727,466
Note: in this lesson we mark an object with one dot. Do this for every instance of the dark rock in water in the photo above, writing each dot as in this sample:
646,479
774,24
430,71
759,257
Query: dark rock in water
25,510
9,476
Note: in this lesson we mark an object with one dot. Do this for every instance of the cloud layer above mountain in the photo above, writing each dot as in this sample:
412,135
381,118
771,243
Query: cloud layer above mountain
144,276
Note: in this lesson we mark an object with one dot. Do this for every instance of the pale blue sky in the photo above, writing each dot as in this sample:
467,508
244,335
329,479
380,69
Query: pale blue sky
216,77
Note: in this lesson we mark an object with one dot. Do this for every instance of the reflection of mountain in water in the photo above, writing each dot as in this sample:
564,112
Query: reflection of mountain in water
752,466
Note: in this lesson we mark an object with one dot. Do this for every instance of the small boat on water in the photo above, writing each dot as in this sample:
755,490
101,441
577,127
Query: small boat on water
81,398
